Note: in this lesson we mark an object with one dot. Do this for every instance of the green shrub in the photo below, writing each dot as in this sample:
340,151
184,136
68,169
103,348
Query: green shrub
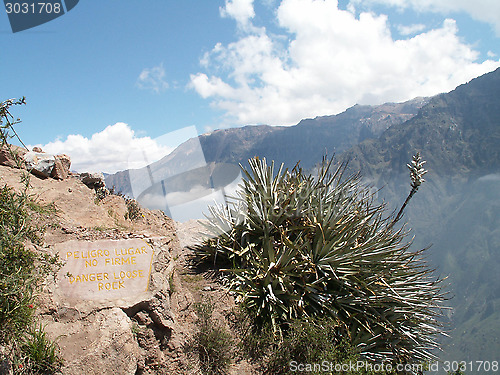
298,246
319,342
18,276
133,209
38,354
316,342
21,271
256,340
211,344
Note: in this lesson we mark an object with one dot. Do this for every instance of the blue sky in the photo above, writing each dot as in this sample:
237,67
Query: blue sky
114,75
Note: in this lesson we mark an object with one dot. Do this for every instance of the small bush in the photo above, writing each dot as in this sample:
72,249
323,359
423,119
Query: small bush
211,344
315,342
256,338
39,355
100,194
133,209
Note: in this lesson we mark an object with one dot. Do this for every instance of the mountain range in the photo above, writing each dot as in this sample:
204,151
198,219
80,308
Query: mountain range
457,209
306,142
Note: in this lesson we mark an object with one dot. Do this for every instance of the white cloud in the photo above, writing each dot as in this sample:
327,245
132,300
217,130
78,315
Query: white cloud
490,177
107,151
327,60
241,10
411,29
481,10
153,79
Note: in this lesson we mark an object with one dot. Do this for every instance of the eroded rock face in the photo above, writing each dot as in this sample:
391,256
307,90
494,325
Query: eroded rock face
12,157
136,332
102,342
104,331
92,180
40,164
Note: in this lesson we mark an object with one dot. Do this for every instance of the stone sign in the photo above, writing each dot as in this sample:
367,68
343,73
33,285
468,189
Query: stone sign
104,270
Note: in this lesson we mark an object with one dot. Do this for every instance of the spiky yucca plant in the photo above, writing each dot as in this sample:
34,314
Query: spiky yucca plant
304,246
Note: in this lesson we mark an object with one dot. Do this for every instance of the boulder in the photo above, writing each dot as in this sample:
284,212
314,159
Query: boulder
93,180
37,162
123,333
11,155
40,164
100,343
65,160
61,167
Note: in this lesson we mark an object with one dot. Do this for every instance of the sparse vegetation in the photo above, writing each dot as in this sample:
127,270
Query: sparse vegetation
21,270
316,342
133,209
38,354
100,194
297,246
136,328
211,344
256,341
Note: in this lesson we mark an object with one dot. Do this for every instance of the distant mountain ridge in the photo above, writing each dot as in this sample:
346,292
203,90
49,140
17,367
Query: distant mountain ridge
458,132
307,141
310,139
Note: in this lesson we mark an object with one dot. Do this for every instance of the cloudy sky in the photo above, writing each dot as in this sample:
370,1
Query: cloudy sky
115,77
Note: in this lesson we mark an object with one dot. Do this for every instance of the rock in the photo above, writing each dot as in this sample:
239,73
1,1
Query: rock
37,162
128,335
61,167
65,160
101,343
143,318
40,164
12,157
67,315
93,180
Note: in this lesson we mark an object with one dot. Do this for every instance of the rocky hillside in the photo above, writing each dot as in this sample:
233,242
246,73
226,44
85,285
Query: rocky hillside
98,332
